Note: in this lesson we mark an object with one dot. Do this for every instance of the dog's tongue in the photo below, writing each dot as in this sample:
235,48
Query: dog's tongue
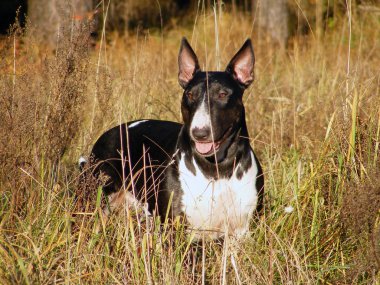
203,148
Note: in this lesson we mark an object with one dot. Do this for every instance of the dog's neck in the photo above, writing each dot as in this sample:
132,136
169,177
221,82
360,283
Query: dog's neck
220,165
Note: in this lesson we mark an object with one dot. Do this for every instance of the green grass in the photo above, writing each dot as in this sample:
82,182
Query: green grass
313,122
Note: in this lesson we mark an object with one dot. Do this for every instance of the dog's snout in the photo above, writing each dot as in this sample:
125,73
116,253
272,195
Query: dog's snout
201,133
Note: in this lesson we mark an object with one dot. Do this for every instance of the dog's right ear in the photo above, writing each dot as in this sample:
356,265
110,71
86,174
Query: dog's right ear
187,63
242,64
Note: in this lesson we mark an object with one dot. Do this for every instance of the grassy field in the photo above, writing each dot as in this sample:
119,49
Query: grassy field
313,114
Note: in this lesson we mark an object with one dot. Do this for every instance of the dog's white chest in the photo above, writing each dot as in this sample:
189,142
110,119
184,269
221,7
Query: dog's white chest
218,207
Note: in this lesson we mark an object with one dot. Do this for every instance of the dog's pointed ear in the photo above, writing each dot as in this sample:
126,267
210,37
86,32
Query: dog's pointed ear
242,64
187,63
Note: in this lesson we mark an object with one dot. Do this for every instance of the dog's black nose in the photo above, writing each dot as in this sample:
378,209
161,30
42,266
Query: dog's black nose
201,134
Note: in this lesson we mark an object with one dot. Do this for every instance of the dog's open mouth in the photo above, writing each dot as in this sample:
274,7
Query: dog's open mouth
207,148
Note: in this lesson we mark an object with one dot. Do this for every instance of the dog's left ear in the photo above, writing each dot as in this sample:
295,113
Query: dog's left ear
187,63
241,65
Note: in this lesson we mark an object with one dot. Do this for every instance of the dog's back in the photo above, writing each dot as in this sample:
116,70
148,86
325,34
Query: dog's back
136,153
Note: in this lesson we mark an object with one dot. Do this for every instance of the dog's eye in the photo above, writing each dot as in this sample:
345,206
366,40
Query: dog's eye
222,95
190,95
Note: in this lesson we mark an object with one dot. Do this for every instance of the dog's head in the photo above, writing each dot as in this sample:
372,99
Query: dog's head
212,105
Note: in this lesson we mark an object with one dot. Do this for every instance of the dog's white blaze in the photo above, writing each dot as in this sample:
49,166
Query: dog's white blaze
136,123
201,117
218,207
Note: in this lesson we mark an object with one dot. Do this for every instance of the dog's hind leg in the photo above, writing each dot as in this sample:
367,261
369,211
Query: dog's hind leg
124,199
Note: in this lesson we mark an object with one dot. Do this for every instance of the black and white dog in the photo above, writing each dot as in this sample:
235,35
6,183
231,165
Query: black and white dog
203,169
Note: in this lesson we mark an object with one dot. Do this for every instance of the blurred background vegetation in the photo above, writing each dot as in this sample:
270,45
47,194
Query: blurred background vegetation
279,19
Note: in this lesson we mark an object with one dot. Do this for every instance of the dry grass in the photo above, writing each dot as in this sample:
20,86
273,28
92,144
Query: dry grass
313,121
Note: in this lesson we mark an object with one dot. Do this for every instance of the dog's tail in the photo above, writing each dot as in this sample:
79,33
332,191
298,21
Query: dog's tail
82,163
